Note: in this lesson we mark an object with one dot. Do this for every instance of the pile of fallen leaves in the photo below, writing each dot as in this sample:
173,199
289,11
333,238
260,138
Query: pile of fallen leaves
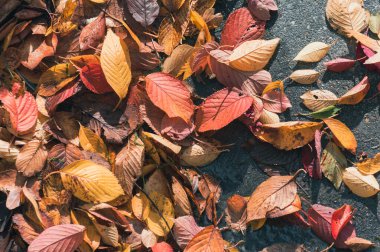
101,135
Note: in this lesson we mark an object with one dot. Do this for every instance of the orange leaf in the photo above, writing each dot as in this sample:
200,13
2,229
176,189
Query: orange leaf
356,94
342,134
221,108
170,94
209,239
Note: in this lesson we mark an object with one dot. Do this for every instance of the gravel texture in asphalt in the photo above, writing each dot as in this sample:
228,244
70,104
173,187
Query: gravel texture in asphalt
297,23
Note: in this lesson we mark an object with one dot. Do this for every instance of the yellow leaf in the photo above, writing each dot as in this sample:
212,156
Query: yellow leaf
173,5
362,185
288,135
140,206
177,60
55,78
201,25
253,55
163,142
116,64
346,16
169,34
90,182
91,142
274,85
91,235
305,76
154,221
370,166
342,134
313,52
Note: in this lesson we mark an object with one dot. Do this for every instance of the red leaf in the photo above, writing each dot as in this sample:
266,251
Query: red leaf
241,26
339,65
93,33
340,218
176,128
22,110
65,93
93,78
221,108
170,94
66,237
363,53
320,217
261,8
276,101
248,82
311,156
162,247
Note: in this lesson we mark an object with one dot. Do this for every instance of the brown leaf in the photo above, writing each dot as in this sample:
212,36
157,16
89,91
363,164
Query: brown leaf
182,205
93,33
128,164
32,158
209,239
275,192
236,213
343,136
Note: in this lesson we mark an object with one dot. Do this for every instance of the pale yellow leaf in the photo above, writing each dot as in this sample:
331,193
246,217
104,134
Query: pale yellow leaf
253,55
140,206
305,76
313,52
319,99
362,185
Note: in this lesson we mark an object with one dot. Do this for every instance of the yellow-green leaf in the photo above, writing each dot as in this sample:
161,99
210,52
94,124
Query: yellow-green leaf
90,182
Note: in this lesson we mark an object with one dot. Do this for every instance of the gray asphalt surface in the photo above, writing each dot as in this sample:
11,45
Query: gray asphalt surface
298,23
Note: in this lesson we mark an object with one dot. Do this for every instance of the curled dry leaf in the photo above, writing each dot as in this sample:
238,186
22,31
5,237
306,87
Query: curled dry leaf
305,76
163,142
313,52
221,108
184,229
357,244
143,11
261,8
253,55
93,33
199,154
276,101
32,158
116,64
347,16
320,218
318,99
208,239
342,134
339,64
340,218
333,163
90,182
170,94
236,213
7,151
362,185
356,94
26,230
66,237
370,165
288,135
275,192
241,26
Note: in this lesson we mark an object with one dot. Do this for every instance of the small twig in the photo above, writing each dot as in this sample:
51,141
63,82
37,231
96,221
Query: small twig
235,245
329,247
